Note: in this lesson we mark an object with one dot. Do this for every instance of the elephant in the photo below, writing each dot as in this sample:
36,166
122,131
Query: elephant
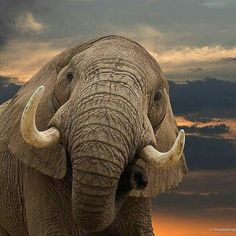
87,142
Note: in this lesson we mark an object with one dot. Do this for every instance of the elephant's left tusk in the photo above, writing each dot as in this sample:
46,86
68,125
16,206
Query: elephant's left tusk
29,131
164,159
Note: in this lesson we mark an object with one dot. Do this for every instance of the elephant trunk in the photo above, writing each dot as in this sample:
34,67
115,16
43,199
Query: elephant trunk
105,130
93,203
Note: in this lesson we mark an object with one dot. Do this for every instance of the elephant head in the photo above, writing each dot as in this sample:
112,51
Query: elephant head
105,109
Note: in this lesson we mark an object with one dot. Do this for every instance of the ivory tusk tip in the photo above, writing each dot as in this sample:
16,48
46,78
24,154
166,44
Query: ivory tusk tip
39,90
182,136
40,87
182,133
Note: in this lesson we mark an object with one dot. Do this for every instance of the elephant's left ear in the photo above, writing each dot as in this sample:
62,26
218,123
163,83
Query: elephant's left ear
50,161
163,180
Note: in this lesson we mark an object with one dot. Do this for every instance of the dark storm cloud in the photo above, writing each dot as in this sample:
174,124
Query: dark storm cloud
197,101
7,89
201,201
209,153
201,190
208,181
216,208
209,98
196,118
207,130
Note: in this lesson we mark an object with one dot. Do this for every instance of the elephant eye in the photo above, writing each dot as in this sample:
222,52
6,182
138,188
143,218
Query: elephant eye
70,76
157,96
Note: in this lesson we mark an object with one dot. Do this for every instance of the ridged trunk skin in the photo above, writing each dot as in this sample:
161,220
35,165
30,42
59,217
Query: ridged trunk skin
103,137
134,218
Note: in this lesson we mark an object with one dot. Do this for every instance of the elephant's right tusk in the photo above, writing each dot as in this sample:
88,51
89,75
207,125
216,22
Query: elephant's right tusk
164,159
30,133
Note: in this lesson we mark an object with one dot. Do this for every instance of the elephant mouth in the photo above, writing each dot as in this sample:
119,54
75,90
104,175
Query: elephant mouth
133,178
120,197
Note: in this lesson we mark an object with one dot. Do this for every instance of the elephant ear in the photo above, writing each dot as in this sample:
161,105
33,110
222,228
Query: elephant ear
163,180
50,161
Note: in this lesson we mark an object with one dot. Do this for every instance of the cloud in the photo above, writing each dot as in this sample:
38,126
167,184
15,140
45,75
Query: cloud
7,88
194,119
187,55
187,63
147,35
209,98
200,201
208,127
178,61
208,115
27,23
211,130
205,181
218,3
209,146
162,45
12,12
79,1
209,153
20,59
177,34
206,190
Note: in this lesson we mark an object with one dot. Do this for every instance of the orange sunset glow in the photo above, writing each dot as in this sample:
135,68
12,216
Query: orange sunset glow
231,123
167,225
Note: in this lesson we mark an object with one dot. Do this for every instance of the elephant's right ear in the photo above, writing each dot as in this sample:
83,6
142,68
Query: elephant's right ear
52,160
163,180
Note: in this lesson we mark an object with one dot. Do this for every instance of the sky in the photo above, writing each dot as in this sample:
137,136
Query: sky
194,41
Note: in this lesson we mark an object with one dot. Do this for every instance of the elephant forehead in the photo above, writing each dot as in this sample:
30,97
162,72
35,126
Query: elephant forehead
117,50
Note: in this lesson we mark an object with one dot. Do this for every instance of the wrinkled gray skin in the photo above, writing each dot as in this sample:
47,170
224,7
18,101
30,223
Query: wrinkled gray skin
102,95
